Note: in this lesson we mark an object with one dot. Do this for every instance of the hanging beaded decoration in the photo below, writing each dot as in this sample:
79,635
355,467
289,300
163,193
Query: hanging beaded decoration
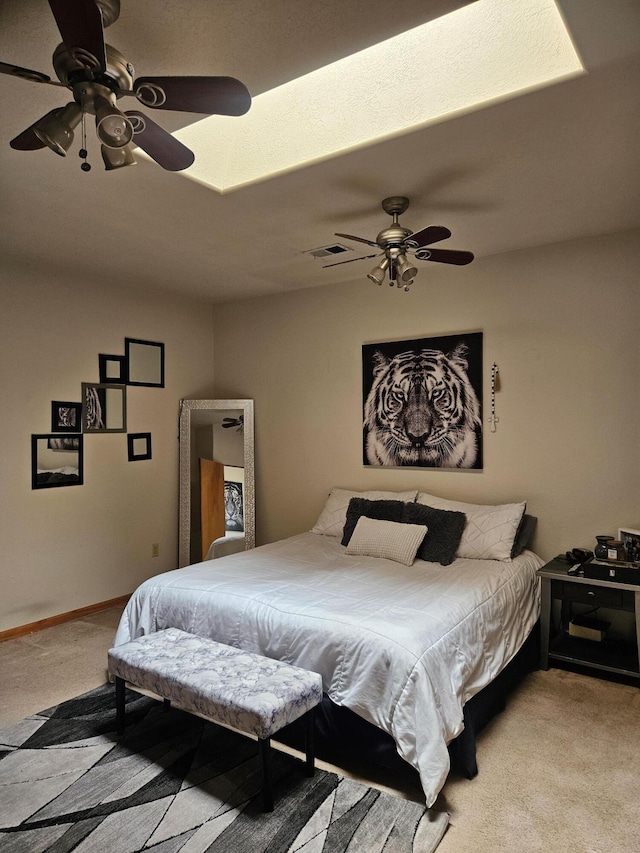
495,386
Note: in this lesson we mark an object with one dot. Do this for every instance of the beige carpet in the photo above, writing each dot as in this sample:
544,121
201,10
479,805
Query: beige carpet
559,769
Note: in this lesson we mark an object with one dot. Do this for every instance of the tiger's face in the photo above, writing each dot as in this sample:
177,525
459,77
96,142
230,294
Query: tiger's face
422,410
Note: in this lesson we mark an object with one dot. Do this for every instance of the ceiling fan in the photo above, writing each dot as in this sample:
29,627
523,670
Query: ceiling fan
396,243
98,75
238,423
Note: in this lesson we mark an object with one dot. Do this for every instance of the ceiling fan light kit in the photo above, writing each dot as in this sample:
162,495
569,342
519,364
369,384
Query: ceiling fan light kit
55,129
98,75
378,272
117,158
113,128
396,243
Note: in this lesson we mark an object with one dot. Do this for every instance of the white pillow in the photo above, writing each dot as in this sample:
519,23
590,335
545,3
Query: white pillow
334,515
389,540
489,531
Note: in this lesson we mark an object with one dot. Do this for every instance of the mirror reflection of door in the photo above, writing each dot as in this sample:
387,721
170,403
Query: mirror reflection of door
212,515
217,523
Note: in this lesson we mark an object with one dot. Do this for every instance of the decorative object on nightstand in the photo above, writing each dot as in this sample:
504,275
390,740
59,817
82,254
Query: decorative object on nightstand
602,546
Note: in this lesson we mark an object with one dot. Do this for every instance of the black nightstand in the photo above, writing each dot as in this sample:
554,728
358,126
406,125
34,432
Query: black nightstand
611,656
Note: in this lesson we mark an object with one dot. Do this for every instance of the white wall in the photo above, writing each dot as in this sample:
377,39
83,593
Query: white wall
63,549
560,321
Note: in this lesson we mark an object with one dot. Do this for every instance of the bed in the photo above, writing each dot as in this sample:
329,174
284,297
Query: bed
402,642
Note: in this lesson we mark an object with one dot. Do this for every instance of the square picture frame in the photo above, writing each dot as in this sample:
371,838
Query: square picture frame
630,539
65,416
144,362
113,369
56,466
138,446
104,407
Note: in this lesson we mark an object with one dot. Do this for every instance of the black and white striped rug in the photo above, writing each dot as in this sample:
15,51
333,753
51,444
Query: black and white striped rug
174,783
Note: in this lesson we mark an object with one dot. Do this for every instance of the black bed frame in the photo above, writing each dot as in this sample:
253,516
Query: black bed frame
340,732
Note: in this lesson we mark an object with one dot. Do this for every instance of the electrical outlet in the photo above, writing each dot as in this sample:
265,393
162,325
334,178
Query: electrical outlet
155,550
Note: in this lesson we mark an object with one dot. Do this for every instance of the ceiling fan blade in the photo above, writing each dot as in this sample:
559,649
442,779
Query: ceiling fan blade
168,152
445,256
349,261
359,239
25,73
428,235
27,140
80,25
209,95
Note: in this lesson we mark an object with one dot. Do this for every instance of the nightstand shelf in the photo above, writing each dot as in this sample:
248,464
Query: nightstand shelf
609,655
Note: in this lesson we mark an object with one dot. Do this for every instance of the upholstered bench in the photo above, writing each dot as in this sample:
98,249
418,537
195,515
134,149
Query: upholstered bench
248,692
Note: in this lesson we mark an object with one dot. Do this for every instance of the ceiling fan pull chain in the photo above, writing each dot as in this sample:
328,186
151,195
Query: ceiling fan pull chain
86,167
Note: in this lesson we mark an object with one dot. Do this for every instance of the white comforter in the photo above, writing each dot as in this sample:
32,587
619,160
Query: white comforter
403,647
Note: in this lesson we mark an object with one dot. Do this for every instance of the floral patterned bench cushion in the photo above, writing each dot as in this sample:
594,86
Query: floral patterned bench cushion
252,693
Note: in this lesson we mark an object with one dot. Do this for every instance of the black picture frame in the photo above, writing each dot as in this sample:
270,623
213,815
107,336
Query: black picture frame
108,374
144,361
104,407
66,417
135,454
52,472
460,360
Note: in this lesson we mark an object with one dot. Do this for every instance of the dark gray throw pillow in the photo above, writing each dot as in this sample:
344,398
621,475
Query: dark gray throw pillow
524,534
382,510
444,531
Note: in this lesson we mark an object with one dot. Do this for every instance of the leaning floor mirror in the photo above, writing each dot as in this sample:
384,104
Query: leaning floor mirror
217,480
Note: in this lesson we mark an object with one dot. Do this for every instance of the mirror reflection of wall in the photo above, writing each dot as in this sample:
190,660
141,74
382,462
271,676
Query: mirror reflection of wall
56,461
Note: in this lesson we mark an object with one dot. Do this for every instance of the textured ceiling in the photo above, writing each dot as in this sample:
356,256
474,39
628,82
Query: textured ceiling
555,164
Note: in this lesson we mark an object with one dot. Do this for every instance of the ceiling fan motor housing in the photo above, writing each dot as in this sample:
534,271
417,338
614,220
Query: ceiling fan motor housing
395,235
77,67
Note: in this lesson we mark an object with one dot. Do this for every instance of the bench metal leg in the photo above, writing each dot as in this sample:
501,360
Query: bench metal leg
265,761
120,683
309,741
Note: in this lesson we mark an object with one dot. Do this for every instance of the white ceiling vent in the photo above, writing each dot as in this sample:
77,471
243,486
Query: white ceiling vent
327,251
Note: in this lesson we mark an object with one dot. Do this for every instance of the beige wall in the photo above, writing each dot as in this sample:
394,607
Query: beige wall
560,321
62,549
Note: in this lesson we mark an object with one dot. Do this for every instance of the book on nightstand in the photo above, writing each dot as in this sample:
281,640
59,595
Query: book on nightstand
588,628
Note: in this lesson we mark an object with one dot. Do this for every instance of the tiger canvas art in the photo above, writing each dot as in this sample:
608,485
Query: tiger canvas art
422,402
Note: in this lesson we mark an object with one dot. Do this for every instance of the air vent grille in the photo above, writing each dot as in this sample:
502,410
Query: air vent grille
327,251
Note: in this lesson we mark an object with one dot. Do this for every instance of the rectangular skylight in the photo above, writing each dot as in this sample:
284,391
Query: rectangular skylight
480,54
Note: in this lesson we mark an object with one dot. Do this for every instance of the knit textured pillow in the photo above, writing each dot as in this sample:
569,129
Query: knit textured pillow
388,540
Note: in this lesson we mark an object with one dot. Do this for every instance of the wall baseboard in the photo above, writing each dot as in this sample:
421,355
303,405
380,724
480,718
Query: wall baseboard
50,621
